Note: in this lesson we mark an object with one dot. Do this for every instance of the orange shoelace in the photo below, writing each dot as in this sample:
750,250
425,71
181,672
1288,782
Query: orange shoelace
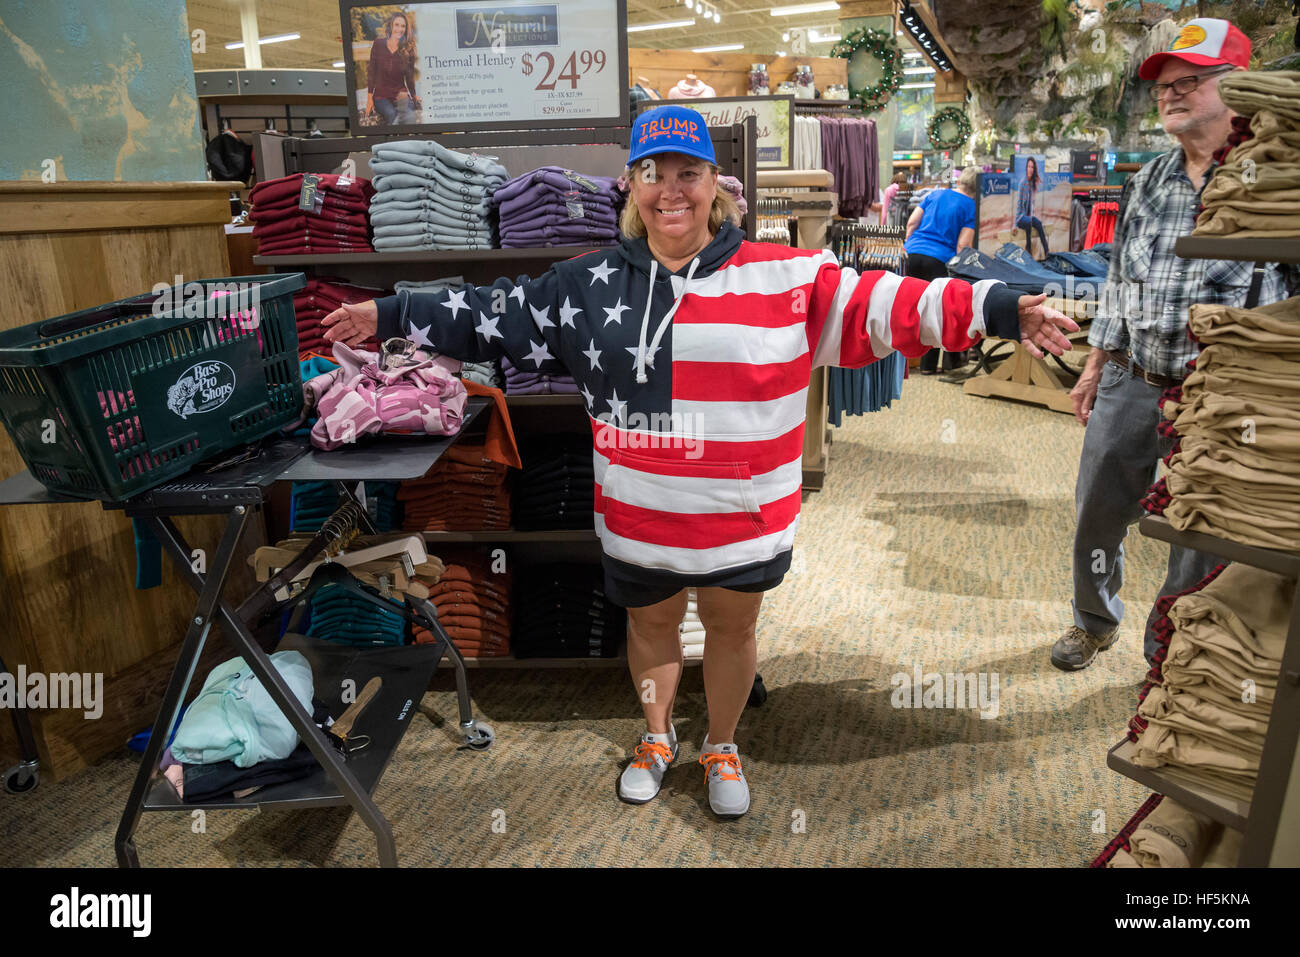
727,760
643,756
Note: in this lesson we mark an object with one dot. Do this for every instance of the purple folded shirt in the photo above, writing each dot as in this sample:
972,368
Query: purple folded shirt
557,216
538,198
558,234
544,388
560,179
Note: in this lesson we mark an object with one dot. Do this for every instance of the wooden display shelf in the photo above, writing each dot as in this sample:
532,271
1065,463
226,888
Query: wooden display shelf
1246,250
1228,811
1269,559
1028,379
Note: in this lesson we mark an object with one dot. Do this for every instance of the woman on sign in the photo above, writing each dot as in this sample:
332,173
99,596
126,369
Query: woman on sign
392,74
689,320
1026,202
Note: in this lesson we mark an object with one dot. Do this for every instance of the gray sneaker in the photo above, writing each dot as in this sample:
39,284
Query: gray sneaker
1076,649
728,790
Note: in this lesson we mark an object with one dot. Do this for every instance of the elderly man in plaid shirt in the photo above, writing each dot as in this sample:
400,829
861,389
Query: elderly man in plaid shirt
1140,339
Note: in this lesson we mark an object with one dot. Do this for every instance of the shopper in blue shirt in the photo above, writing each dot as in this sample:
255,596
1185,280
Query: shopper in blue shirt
937,229
1025,218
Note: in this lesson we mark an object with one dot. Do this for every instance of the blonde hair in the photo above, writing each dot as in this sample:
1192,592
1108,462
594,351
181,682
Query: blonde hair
724,208
969,179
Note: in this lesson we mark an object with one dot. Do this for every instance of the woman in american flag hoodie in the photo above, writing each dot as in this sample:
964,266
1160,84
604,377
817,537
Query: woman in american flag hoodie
693,348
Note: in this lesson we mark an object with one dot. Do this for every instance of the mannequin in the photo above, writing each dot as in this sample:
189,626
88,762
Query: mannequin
692,87
645,84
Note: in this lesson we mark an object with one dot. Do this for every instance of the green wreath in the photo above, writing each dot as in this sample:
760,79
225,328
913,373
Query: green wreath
871,52
949,128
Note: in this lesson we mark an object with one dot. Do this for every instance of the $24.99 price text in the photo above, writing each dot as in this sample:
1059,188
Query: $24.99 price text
578,65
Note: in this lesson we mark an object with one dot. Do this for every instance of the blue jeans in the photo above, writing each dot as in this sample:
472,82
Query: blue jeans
1121,450
393,113
1032,222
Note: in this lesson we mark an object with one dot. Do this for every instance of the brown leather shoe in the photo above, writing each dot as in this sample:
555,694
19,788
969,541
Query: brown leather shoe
1076,649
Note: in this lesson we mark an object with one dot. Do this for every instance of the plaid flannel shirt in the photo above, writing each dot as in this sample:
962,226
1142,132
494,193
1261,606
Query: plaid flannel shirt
1144,308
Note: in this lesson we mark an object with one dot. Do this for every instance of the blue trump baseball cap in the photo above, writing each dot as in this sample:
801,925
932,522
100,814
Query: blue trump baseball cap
671,129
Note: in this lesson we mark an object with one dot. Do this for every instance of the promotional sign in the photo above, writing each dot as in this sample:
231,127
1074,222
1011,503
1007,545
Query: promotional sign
1040,209
1086,164
443,65
994,217
773,116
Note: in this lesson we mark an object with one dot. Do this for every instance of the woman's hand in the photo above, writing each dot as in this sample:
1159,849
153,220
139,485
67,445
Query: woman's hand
353,324
1040,327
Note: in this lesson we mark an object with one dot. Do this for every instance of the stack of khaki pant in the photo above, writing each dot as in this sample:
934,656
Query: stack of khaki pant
1206,723
1237,471
1256,192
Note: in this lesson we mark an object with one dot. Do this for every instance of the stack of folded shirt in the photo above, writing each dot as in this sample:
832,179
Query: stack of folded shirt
338,615
336,223
562,612
383,507
465,491
522,382
1223,640
1256,191
310,503
557,486
316,300
552,206
484,373
1171,835
1238,421
430,197
473,604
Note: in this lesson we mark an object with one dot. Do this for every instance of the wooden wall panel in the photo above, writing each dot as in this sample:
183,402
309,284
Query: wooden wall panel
727,73
67,572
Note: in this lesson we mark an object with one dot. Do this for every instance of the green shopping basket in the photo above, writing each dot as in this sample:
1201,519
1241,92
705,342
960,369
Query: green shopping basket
110,401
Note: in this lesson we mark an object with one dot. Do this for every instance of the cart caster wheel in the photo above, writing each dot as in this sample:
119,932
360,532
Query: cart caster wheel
21,779
758,693
480,739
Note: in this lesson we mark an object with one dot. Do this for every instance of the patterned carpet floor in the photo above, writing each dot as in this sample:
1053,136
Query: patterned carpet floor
941,542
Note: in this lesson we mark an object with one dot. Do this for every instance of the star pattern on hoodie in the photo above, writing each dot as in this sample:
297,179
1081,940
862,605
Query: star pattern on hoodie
456,302
542,318
487,327
539,354
567,312
601,272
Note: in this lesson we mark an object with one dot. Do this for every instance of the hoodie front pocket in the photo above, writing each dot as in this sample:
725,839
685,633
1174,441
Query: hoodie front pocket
706,496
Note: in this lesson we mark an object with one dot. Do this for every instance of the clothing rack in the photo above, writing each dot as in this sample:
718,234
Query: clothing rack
866,247
237,491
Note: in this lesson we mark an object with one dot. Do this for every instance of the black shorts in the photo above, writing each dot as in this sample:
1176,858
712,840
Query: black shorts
630,587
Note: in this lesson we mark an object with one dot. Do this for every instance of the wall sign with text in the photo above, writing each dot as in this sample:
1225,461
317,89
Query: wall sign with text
442,65
773,115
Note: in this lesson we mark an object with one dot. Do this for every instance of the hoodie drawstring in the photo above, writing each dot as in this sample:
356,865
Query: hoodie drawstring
641,377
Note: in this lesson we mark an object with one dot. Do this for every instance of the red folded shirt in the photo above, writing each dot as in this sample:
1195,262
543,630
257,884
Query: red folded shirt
303,246
311,227
286,186
330,207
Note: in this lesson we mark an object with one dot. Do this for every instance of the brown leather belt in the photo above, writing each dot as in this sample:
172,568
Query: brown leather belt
1125,362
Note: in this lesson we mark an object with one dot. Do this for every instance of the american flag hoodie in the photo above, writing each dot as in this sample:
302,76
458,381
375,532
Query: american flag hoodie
696,382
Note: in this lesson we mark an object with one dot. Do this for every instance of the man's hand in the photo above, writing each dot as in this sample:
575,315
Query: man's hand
1084,393
1040,327
352,324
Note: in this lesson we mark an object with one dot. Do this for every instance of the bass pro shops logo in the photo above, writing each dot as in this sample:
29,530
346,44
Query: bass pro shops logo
201,388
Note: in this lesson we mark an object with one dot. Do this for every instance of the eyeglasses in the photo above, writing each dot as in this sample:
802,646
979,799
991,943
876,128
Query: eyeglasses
1185,84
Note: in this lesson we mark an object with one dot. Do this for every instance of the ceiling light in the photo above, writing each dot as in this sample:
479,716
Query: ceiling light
781,53
338,64
785,38
804,8
239,44
690,4
912,70
917,86
717,17
729,46
815,37
666,25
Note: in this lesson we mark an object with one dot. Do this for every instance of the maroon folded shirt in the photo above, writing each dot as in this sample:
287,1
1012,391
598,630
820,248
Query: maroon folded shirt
307,244
291,186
